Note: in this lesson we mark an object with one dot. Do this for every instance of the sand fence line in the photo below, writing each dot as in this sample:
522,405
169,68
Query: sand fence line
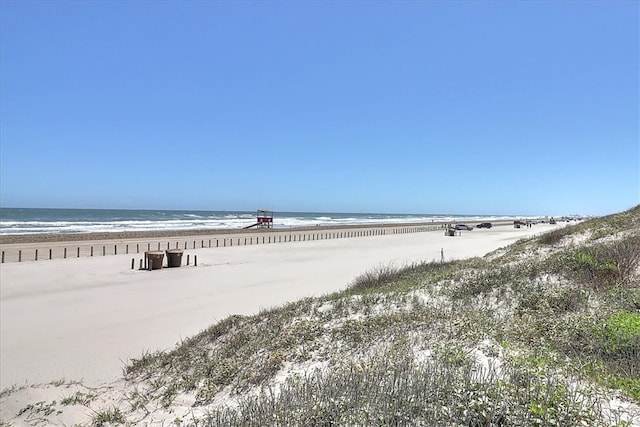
29,252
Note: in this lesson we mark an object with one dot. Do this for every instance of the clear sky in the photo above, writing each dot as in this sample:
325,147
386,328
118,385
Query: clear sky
464,107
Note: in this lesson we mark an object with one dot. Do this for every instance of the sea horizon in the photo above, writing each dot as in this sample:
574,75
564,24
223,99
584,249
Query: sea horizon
77,220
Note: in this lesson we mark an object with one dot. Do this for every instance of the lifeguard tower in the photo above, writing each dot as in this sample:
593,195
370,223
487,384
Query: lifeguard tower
264,219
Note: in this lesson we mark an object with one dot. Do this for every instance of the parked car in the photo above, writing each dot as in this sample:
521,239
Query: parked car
484,225
463,227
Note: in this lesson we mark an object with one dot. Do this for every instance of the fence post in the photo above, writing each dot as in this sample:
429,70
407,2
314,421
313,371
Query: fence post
2,257
36,255
133,263
187,259
115,249
78,256
104,251
19,256
195,260
65,253
49,253
91,250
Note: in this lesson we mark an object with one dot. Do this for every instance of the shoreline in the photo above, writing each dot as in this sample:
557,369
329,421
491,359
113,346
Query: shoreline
37,238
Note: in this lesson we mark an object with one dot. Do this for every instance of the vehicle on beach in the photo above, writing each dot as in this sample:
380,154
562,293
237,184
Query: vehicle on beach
463,227
484,225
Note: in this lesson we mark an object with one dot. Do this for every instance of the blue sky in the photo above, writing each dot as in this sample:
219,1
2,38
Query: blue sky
399,107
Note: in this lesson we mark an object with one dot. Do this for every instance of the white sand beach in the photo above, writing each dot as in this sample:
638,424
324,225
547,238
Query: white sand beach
83,318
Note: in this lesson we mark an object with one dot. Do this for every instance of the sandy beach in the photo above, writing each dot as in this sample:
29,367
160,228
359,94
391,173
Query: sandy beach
83,318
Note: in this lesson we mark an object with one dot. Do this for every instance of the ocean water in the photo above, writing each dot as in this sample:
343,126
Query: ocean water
33,221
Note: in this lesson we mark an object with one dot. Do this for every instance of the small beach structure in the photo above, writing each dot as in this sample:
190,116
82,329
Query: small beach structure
174,257
154,259
264,219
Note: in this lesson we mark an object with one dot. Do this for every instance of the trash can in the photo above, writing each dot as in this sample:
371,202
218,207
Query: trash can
174,257
155,259
451,232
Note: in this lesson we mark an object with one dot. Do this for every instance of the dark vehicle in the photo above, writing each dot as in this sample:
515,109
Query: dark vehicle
484,225
463,227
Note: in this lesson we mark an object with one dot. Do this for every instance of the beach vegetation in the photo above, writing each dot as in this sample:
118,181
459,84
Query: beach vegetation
108,417
78,398
393,277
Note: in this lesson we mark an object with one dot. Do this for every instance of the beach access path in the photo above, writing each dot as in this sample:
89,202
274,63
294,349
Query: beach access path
84,318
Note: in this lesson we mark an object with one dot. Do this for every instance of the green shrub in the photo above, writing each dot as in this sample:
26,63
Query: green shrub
620,333
596,266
